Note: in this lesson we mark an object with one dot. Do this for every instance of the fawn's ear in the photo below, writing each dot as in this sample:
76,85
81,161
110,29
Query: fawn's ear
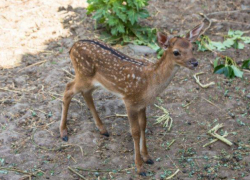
162,40
194,33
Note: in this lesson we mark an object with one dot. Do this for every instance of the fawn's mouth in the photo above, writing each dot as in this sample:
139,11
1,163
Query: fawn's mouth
192,63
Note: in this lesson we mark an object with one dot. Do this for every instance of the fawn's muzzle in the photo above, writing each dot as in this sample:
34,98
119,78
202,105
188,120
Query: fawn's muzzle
194,62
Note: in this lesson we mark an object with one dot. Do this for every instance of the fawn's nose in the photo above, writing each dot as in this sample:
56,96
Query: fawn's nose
194,62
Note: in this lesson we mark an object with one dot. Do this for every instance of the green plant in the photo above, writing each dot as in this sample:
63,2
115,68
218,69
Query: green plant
232,39
246,64
224,64
120,18
228,67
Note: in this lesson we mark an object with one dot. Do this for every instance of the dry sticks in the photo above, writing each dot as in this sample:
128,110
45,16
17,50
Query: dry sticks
213,132
197,79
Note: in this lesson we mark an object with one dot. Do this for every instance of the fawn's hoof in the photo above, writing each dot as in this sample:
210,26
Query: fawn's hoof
149,161
105,134
142,174
65,138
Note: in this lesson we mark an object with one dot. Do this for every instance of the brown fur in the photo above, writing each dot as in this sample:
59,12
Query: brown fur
137,82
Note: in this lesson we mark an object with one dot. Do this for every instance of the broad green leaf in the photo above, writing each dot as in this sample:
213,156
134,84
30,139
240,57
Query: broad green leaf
239,33
216,62
246,40
218,45
228,42
235,45
240,46
228,72
200,46
237,71
230,33
246,64
219,69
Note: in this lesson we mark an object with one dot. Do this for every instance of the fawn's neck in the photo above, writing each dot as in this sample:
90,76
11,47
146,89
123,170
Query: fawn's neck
161,74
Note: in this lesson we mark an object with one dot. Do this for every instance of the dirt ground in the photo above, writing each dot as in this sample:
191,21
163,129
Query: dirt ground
35,37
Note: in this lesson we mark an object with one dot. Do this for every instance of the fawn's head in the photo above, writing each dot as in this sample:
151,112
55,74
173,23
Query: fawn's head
180,49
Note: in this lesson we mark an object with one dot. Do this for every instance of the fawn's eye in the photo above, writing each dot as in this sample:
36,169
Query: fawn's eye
176,52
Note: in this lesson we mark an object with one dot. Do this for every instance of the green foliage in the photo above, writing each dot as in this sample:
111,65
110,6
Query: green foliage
232,39
120,18
246,64
228,67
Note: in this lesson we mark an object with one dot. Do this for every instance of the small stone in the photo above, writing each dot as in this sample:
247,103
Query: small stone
248,96
141,49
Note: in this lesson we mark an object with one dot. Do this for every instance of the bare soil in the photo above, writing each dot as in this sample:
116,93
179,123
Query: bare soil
33,31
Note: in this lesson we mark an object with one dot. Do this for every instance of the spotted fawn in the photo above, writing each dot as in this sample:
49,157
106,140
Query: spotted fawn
137,82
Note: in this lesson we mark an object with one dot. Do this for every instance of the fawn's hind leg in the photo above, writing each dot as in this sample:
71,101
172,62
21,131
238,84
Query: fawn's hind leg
70,91
90,103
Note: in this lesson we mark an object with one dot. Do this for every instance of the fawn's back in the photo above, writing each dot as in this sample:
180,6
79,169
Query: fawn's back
101,65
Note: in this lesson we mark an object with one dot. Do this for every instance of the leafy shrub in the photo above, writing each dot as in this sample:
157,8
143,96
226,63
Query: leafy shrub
121,18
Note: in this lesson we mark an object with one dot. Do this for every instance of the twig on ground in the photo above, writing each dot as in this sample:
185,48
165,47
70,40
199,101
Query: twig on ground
172,142
72,170
197,79
117,115
214,140
248,71
35,64
15,91
231,22
99,170
170,177
68,73
164,118
213,132
16,170
224,12
210,102
186,105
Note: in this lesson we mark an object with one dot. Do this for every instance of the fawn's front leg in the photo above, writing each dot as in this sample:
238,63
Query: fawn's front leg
133,116
143,146
68,95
